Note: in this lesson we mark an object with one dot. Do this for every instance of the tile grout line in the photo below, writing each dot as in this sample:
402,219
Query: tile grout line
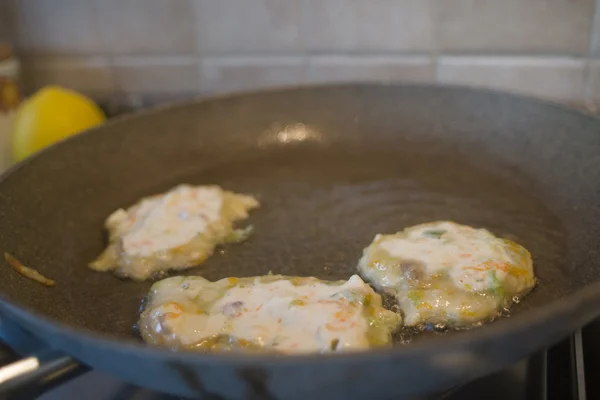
358,55
107,56
436,39
198,53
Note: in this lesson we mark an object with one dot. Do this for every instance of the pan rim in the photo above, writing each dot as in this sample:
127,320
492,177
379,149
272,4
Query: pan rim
588,297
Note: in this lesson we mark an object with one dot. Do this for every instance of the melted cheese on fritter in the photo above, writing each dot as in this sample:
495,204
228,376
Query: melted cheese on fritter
287,315
443,272
174,230
168,221
474,258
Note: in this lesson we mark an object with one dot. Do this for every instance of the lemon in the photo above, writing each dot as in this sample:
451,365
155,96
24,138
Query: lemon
50,115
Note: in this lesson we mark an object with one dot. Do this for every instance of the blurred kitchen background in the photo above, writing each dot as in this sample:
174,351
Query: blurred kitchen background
132,52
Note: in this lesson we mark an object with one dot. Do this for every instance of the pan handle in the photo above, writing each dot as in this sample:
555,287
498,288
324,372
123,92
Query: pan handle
31,376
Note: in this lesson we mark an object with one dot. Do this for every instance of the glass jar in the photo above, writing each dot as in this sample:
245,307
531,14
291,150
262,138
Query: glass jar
10,97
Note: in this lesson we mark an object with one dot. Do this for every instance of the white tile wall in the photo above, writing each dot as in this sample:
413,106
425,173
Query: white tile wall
246,73
535,26
245,26
156,75
371,69
554,78
54,27
146,26
91,75
374,25
163,49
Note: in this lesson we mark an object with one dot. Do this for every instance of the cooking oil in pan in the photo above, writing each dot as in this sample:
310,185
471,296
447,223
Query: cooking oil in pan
405,335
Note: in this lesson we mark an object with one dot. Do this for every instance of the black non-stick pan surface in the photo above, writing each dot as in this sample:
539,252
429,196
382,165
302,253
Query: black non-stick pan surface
332,166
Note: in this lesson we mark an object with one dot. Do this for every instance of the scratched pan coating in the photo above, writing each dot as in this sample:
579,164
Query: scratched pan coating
332,166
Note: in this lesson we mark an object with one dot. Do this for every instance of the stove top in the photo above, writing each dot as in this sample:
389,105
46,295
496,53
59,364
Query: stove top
569,370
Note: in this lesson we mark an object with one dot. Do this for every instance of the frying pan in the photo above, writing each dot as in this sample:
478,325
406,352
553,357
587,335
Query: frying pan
332,166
